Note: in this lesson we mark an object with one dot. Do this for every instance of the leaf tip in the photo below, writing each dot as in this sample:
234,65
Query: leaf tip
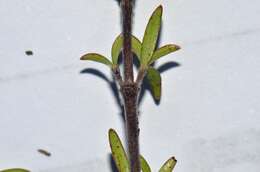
111,131
177,47
157,99
85,56
82,58
174,47
159,9
173,158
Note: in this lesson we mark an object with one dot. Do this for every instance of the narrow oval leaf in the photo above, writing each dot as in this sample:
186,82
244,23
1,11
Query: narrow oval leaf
116,49
118,152
97,58
163,51
154,79
151,36
15,170
168,165
118,45
144,165
136,46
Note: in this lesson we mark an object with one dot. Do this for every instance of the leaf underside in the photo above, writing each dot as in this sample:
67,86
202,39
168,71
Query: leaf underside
97,58
151,36
118,45
15,170
118,152
169,165
163,51
154,79
136,46
116,48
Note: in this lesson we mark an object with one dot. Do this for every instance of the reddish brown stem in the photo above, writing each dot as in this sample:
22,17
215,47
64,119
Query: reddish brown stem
130,95
127,53
130,90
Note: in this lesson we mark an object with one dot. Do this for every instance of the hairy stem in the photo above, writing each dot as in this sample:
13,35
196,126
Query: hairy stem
130,94
130,90
127,53
117,75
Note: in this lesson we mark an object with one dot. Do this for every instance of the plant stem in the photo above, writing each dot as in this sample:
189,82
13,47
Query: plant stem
130,90
127,28
130,96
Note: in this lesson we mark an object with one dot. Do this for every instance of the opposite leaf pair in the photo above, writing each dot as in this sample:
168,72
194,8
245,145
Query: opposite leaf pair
122,162
144,51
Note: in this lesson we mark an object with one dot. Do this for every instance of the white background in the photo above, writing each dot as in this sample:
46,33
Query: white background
208,117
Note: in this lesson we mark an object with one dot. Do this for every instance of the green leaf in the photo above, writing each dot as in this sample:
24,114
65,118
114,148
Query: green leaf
15,170
168,165
163,51
151,36
118,45
116,49
136,46
118,152
144,165
154,79
97,58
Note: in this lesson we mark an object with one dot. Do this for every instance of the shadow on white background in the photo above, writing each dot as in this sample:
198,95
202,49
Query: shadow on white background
208,117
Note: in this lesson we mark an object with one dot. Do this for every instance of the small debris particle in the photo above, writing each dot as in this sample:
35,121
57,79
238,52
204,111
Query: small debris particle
29,53
44,152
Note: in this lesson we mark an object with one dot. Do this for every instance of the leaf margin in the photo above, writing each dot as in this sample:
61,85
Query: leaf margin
163,51
122,165
144,164
15,170
118,45
155,85
169,165
151,35
97,58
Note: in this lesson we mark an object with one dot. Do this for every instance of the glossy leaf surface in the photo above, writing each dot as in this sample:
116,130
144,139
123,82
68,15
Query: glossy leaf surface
118,152
144,165
154,79
15,170
151,35
168,165
163,51
97,58
118,45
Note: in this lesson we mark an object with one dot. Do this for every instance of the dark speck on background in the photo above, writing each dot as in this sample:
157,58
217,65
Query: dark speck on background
29,53
44,152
